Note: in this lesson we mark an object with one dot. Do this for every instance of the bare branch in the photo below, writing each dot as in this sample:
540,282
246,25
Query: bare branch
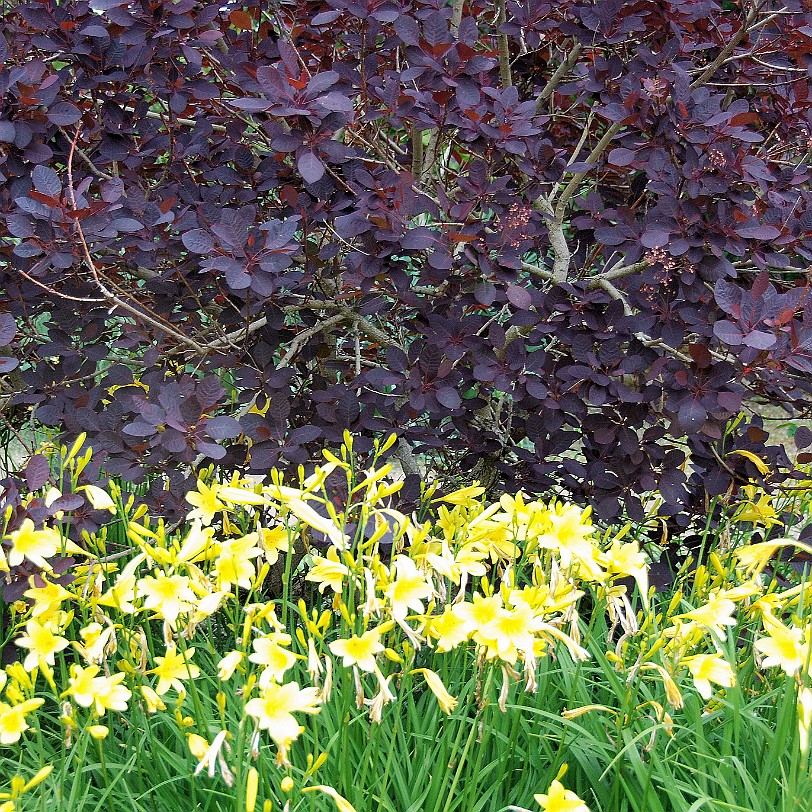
302,338
575,182
86,158
105,291
505,75
456,17
561,71
746,27
558,242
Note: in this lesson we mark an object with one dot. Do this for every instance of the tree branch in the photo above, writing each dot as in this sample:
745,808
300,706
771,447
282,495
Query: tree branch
561,71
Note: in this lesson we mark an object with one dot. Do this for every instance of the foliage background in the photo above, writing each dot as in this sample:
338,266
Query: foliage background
556,245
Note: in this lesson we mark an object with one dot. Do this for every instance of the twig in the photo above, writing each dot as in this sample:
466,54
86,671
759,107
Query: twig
302,337
86,158
505,75
722,56
106,292
562,70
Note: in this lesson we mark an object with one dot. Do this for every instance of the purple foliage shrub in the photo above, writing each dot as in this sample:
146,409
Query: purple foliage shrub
556,244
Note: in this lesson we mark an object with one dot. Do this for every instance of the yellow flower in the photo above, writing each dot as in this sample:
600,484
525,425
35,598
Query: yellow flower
559,799
359,651
12,719
211,754
408,589
268,652
782,647
512,630
273,710
105,693
95,640
478,614
42,643
626,559
205,501
273,541
154,702
708,668
465,497
757,512
466,561
229,663
233,565
449,630
98,731
99,499
328,571
715,614
173,668
444,699
197,745
168,595
35,545
251,787
47,599
19,786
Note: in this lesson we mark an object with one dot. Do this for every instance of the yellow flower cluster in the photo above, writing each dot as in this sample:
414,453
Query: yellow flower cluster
501,581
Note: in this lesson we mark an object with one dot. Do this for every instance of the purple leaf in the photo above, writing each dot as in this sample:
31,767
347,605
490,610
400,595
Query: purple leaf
449,398
37,471
728,333
519,297
310,167
45,180
7,132
252,105
759,340
222,428
198,241
691,415
621,156
8,329
758,232
337,102
64,114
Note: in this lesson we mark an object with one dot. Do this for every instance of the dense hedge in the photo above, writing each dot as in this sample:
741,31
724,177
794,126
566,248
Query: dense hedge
534,237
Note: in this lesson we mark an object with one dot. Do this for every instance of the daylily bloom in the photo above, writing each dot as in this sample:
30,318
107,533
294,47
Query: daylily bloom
205,501
444,699
359,651
408,589
43,641
448,629
173,668
783,647
234,563
273,710
268,652
104,693
35,545
48,599
708,668
716,613
228,664
12,719
559,799
168,595
328,571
